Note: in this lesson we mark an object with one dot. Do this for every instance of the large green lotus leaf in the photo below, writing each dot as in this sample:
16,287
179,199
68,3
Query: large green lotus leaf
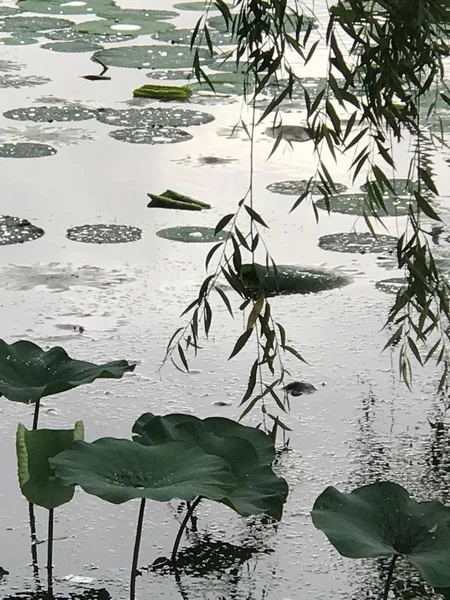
62,7
223,83
32,24
27,372
153,117
19,39
151,57
71,35
37,478
129,27
258,489
402,187
184,37
358,204
76,46
119,470
197,6
7,11
382,520
355,242
135,14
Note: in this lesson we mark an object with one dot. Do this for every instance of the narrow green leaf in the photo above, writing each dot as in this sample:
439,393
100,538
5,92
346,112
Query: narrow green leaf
242,340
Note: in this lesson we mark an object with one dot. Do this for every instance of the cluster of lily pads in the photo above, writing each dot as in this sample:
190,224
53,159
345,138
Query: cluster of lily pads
179,456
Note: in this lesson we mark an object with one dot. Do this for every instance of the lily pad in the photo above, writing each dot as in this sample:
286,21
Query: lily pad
392,285
290,279
163,92
402,187
104,234
158,135
382,519
36,477
135,14
77,46
118,470
192,234
64,7
151,57
8,11
358,243
33,24
28,373
357,204
25,150
153,117
131,28
42,114
170,75
298,187
223,83
184,37
197,6
18,39
17,231
71,35
9,80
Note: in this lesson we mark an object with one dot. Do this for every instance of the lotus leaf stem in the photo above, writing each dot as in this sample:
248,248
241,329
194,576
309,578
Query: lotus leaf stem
36,414
50,554
137,543
34,552
188,515
387,587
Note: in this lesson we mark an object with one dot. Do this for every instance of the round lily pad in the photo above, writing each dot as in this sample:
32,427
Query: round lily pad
7,11
358,243
41,114
355,204
33,24
71,35
63,7
402,187
151,117
135,14
200,6
131,28
290,279
184,36
223,83
18,39
25,150
17,231
104,234
147,57
8,80
197,235
298,187
71,46
391,286
170,75
158,135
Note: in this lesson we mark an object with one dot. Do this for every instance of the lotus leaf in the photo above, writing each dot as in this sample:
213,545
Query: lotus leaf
402,187
197,6
223,83
298,187
71,35
104,234
18,39
357,242
190,234
163,92
159,135
358,204
382,519
7,11
144,14
76,46
32,24
170,75
48,114
151,57
58,7
28,373
25,150
391,286
130,28
118,470
184,37
36,477
17,231
153,117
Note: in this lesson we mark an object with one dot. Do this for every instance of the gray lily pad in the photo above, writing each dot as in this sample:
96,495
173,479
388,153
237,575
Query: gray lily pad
298,187
8,80
153,117
33,24
135,14
64,7
18,39
25,150
71,35
358,243
147,57
391,286
170,75
158,135
17,231
357,204
130,28
184,36
192,234
198,6
289,279
401,187
223,83
78,46
8,11
104,234
42,114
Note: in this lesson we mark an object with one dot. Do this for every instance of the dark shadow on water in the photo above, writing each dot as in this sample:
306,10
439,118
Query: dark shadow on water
91,594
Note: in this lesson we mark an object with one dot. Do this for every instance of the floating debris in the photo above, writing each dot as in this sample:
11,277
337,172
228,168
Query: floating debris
298,388
163,92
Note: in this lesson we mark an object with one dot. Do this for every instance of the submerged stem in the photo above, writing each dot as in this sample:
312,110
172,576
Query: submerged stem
36,414
34,552
50,554
387,587
137,543
188,515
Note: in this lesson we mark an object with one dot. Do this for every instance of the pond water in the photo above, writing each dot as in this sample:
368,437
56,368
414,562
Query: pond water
361,425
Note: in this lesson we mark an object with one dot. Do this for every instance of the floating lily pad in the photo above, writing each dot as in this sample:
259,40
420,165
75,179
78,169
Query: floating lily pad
64,7
184,37
158,135
200,6
25,150
223,83
400,187
104,234
8,80
8,11
163,92
17,231
147,57
227,64
358,243
135,14
33,24
170,75
289,279
71,35
196,235
356,204
77,46
123,27
391,286
298,187
42,114
18,39
153,117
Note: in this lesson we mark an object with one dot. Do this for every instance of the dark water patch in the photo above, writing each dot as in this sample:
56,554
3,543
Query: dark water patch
48,114
14,230
9,65
153,117
151,57
25,150
298,187
104,234
358,243
157,135
197,235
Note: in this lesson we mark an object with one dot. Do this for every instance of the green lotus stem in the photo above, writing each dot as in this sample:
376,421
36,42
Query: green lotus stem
34,552
50,554
36,414
187,516
137,543
387,587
